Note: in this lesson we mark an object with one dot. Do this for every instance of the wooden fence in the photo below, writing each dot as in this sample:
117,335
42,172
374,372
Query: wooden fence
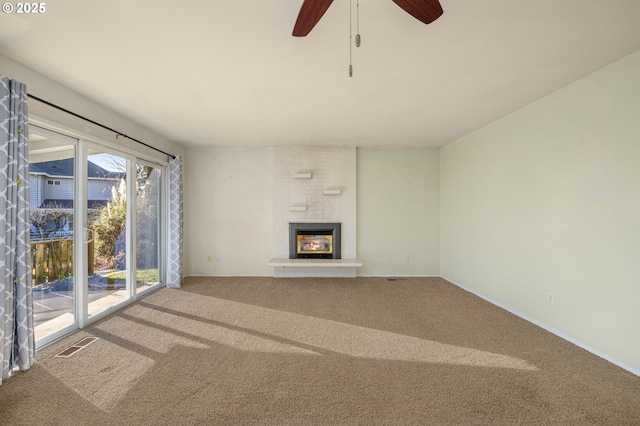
53,259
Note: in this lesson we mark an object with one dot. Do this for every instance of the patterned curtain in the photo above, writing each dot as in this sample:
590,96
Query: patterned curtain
174,268
17,342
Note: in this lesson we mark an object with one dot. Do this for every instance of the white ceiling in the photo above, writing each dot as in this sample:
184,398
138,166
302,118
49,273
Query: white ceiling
228,72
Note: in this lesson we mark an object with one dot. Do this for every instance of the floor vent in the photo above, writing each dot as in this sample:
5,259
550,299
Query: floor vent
84,342
76,347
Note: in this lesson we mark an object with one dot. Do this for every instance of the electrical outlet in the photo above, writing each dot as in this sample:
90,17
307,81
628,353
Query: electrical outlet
550,298
209,258
216,259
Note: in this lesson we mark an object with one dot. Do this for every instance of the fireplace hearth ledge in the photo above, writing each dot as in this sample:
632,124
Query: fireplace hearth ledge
295,268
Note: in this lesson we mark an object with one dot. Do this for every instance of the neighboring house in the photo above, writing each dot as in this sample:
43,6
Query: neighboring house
51,184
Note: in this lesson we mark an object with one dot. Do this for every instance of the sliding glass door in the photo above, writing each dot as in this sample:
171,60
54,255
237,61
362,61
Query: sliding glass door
96,231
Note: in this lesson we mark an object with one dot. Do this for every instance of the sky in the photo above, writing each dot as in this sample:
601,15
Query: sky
110,162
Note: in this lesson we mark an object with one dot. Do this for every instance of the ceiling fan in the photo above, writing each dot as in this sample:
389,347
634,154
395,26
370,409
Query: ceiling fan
311,11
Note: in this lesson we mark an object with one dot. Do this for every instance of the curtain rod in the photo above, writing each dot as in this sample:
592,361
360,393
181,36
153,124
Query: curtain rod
98,124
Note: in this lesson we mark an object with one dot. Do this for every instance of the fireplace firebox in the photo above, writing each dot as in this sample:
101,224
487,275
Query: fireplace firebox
314,241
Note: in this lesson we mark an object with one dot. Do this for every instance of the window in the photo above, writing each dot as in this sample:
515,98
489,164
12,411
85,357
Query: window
53,182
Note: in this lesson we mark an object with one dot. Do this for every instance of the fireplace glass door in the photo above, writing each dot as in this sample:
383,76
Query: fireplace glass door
315,244
314,240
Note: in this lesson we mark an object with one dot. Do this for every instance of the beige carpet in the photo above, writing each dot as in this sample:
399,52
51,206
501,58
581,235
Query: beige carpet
319,351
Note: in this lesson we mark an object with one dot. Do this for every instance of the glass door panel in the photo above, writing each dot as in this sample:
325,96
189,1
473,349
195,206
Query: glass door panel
52,195
147,226
107,231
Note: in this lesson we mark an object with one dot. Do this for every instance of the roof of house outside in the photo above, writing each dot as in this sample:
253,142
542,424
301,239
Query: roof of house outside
65,168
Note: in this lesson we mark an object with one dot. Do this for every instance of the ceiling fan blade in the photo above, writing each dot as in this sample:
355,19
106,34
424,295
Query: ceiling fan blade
309,15
426,11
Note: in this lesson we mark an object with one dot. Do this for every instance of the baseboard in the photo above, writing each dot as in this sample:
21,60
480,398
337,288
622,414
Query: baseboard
398,276
363,276
225,276
548,328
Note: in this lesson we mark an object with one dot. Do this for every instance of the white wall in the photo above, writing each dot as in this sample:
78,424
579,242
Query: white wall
398,211
331,167
228,211
236,191
547,200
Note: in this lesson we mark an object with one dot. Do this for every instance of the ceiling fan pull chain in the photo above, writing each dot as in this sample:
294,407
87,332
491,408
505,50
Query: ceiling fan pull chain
350,39
358,38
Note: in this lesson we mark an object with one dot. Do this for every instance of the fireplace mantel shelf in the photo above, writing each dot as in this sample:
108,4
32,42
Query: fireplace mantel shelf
294,268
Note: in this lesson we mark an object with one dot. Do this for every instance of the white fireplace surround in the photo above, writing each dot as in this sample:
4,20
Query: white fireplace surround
314,184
